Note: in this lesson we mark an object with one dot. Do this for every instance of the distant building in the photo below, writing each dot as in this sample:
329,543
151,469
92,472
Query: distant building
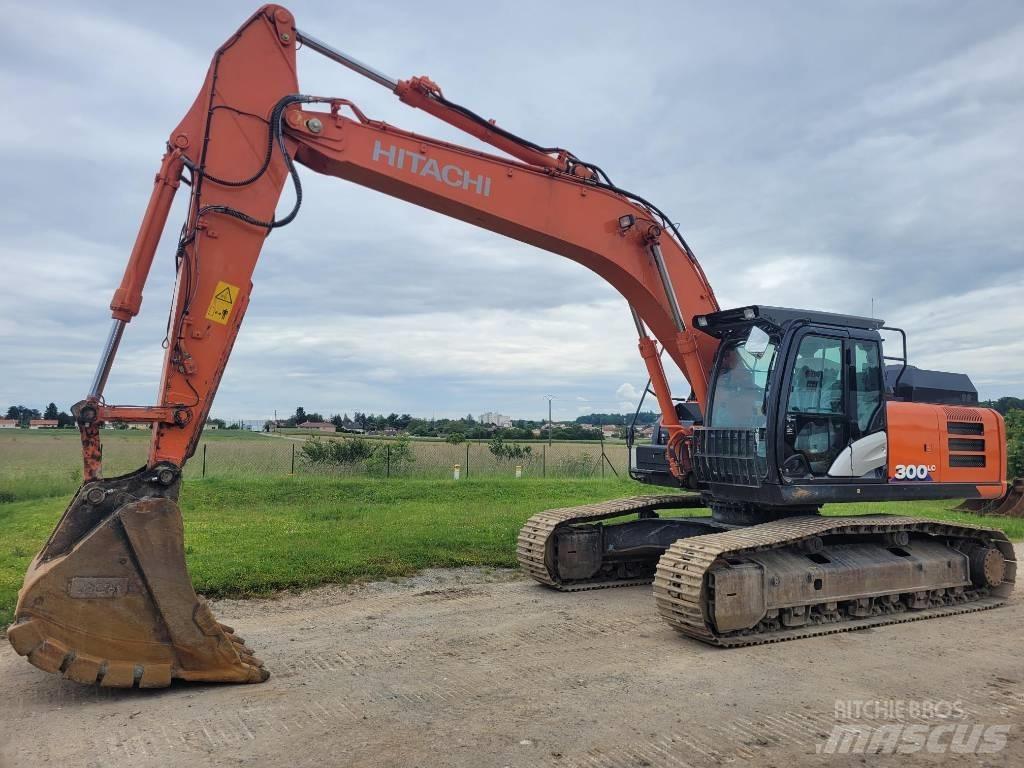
496,419
8,423
43,424
609,430
318,426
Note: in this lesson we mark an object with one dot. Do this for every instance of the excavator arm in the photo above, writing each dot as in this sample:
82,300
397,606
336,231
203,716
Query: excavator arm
109,598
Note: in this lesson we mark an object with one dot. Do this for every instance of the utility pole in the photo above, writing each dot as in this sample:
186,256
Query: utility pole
550,422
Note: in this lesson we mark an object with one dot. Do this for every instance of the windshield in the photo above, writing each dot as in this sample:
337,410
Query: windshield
739,398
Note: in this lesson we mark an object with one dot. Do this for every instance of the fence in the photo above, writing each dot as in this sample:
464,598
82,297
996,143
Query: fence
34,464
415,458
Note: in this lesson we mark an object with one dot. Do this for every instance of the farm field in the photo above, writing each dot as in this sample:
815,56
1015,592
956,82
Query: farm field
251,536
40,463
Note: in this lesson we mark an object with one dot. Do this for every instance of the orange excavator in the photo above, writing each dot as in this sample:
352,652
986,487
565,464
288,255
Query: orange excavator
789,409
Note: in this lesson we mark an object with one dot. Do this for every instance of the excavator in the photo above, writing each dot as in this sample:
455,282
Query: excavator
789,409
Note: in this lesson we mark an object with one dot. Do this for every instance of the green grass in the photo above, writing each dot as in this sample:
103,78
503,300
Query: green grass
253,536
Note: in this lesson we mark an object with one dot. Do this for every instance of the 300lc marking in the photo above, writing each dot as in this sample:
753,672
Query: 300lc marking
913,472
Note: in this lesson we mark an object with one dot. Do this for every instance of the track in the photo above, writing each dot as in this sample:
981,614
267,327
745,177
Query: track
683,585
535,546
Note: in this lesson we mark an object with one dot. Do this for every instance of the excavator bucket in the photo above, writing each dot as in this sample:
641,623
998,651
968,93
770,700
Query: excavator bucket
109,599
1011,504
976,506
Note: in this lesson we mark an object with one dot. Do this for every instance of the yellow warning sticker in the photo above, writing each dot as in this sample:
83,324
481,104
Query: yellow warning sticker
224,297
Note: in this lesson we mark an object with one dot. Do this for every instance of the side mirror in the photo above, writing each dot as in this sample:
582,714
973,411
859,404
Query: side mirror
757,342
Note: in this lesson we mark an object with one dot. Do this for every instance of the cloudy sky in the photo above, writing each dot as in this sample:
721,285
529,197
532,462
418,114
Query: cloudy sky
815,154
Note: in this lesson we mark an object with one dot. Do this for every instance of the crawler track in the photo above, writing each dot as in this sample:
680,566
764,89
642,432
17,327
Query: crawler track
535,546
683,587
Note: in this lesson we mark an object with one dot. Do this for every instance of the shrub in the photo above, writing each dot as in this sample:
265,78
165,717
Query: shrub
502,451
394,456
337,453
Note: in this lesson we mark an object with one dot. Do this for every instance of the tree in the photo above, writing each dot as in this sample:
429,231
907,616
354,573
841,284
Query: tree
51,411
1006,404
300,415
1015,443
455,438
618,419
22,414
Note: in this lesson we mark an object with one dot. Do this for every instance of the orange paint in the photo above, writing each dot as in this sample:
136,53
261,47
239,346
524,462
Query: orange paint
950,444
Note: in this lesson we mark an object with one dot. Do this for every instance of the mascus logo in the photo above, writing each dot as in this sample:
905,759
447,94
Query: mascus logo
421,165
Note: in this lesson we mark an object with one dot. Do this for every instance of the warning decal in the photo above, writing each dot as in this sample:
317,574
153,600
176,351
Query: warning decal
224,297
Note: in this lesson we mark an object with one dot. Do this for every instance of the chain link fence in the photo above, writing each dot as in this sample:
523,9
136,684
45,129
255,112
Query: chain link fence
410,458
34,464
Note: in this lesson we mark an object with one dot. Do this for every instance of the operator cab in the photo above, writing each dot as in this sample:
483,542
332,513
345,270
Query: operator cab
796,402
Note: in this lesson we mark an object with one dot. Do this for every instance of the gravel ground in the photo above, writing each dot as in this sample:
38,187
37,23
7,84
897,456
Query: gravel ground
482,668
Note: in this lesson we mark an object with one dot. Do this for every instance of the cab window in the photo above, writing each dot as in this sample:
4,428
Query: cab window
817,377
817,428
866,383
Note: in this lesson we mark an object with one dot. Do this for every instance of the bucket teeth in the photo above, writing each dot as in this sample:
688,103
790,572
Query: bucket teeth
49,656
117,608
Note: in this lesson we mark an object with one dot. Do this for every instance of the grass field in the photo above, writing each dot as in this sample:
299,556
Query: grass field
248,536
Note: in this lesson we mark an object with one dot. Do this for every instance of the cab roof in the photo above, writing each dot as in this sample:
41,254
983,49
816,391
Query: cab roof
727,321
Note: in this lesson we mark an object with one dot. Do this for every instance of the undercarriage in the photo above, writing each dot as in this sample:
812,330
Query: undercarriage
799,575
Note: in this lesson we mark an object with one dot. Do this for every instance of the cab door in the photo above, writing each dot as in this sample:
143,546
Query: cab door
833,407
816,423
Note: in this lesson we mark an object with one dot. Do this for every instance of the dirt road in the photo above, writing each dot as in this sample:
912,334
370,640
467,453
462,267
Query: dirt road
478,669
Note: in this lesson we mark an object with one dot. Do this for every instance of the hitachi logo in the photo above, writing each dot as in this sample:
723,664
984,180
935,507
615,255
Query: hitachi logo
421,165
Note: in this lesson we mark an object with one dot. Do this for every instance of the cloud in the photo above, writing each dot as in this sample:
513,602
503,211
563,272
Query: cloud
628,392
803,172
